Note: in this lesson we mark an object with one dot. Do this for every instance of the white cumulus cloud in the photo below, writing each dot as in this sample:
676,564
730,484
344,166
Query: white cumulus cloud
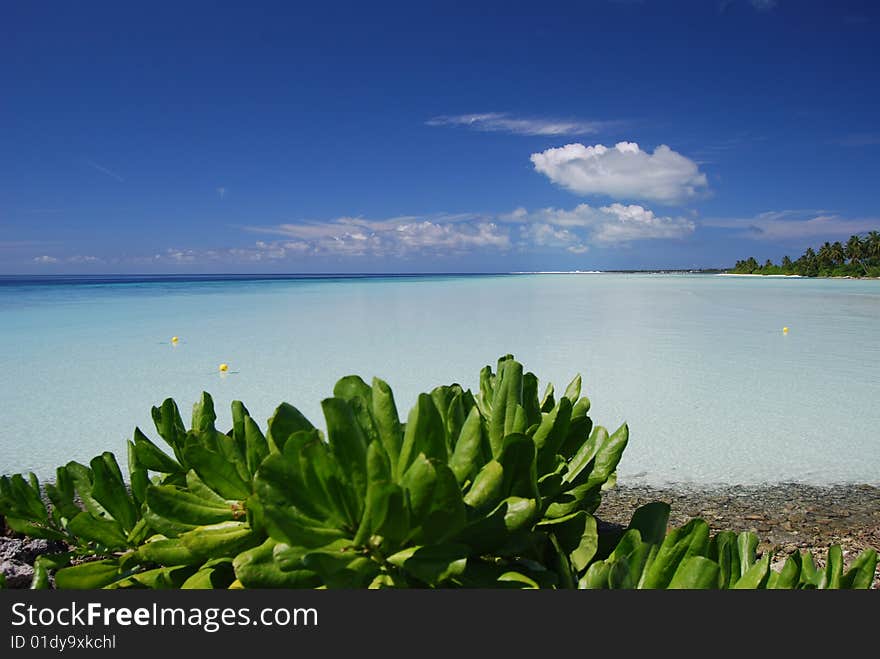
623,172
45,259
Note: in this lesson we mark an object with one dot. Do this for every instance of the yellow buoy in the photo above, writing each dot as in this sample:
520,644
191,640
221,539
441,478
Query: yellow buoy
223,368
785,330
175,339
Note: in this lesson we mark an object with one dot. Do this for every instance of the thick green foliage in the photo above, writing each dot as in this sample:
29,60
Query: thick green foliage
858,257
494,489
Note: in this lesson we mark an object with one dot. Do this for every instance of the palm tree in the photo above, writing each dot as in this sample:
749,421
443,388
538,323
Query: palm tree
872,245
836,252
809,263
855,250
824,254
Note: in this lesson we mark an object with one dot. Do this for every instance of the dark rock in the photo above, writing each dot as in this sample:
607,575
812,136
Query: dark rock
18,574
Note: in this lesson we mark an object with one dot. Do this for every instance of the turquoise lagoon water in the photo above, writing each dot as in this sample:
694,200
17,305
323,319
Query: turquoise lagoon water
714,393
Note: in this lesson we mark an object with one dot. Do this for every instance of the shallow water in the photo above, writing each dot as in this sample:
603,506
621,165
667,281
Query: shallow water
697,365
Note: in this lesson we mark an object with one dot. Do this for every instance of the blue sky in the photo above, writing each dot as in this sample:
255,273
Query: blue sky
424,137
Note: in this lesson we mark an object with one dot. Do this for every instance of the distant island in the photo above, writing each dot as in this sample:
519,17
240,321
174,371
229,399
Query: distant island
858,258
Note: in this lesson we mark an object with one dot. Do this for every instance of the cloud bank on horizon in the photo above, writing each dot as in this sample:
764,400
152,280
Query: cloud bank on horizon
572,230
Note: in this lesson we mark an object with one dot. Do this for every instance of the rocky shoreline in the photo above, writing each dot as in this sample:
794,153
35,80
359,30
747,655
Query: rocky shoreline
786,517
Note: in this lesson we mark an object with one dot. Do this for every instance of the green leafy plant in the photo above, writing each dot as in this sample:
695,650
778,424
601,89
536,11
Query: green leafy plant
493,489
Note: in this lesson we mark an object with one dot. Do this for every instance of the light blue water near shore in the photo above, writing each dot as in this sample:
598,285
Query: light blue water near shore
698,365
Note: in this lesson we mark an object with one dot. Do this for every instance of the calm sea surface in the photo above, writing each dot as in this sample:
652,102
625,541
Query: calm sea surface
697,365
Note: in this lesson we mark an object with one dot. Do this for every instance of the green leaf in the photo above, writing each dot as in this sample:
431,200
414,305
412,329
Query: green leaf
547,401
186,507
106,532
833,569
579,427
27,498
223,539
861,573
257,568
607,458
651,521
286,421
137,476
756,576
301,495
506,399
81,476
376,502
596,577
487,489
530,402
692,539
200,489
517,579
810,577
573,390
152,457
787,578
454,421
85,576
432,564
295,479
349,447
326,560
352,386
435,501
110,491
551,433
239,414
583,461
424,433
61,494
442,397
217,471
501,526
466,456
746,544
203,416
167,551
724,550
162,578
577,536
518,462
170,426
33,530
387,420
358,394
256,446
583,497
40,580
487,391
229,450
696,572
218,574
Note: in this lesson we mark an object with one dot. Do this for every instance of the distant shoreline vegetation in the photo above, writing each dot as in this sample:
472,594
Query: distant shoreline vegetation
858,258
